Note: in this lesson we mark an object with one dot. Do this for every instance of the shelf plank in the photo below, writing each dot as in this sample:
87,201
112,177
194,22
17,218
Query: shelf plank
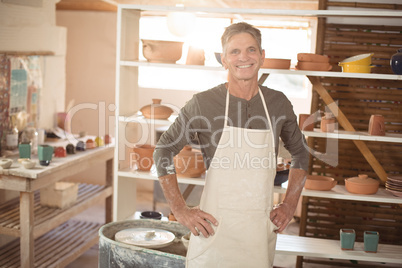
140,119
338,192
325,248
268,12
353,135
47,218
56,248
266,71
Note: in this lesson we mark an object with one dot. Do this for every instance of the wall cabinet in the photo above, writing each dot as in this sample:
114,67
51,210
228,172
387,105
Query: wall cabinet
128,121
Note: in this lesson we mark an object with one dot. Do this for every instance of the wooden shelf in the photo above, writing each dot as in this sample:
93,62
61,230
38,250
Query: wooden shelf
338,192
350,135
140,119
56,248
325,248
268,12
266,71
47,218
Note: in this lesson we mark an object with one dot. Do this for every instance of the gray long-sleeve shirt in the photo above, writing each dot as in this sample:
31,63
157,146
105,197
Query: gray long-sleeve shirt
203,117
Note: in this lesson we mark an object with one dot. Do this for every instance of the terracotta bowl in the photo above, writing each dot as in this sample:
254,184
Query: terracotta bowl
144,156
319,183
162,51
313,66
362,185
189,163
276,63
311,57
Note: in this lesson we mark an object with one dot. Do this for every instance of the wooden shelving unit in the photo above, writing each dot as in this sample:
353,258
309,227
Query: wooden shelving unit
127,68
46,237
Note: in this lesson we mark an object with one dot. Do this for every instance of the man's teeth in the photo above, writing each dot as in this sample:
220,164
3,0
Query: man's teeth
244,66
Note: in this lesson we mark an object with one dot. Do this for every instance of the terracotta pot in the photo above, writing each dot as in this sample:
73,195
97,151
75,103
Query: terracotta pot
195,56
189,163
327,124
144,156
313,66
108,139
90,144
362,185
376,125
311,57
60,151
320,183
306,122
276,63
156,110
161,51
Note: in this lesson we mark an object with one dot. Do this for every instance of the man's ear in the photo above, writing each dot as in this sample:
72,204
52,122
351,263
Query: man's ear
223,60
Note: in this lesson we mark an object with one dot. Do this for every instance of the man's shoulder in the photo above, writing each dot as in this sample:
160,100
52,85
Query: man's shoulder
212,93
271,93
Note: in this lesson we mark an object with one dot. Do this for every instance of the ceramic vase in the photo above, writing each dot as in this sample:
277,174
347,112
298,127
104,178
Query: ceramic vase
189,163
156,110
348,237
396,62
371,241
143,156
306,122
377,125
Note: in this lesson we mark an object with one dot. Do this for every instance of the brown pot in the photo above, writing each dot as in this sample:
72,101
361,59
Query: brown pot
161,51
156,110
320,183
377,125
189,163
276,63
306,122
144,156
362,185
195,56
311,57
313,66
327,124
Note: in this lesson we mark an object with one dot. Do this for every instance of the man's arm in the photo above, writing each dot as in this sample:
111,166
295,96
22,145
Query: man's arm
194,219
283,213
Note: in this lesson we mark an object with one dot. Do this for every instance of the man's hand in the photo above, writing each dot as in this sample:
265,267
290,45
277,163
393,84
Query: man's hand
196,220
281,215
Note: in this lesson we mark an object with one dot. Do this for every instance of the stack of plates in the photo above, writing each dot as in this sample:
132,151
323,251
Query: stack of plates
394,185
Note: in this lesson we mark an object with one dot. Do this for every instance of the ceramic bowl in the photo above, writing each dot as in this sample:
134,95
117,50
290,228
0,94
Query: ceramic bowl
154,215
161,51
276,63
362,59
156,110
319,183
6,163
185,239
362,185
28,164
313,66
352,68
218,57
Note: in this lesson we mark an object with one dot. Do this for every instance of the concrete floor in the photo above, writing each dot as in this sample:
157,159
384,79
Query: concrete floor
144,202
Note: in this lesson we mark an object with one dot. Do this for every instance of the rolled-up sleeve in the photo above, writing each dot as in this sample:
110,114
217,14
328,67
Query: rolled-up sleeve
174,139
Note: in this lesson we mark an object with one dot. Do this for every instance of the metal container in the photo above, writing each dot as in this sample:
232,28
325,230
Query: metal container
113,254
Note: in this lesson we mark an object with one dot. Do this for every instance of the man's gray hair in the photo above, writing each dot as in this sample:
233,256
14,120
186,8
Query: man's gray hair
237,28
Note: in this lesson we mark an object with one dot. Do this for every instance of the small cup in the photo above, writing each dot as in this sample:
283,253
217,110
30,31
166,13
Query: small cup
371,241
45,153
306,122
348,237
327,124
24,150
376,125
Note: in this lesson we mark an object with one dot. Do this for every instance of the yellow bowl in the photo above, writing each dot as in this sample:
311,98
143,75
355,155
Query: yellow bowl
362,59
351,68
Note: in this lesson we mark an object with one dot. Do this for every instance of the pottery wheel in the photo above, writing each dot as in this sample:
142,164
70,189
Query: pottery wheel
145,237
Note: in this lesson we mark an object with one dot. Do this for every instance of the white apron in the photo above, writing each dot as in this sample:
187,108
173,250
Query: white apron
238,192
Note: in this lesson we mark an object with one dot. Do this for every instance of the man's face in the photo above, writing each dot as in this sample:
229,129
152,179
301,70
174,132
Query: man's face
243,57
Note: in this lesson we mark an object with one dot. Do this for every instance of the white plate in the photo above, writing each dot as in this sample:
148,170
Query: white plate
145,237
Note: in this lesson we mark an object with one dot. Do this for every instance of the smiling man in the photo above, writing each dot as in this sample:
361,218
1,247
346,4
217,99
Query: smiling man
238,125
